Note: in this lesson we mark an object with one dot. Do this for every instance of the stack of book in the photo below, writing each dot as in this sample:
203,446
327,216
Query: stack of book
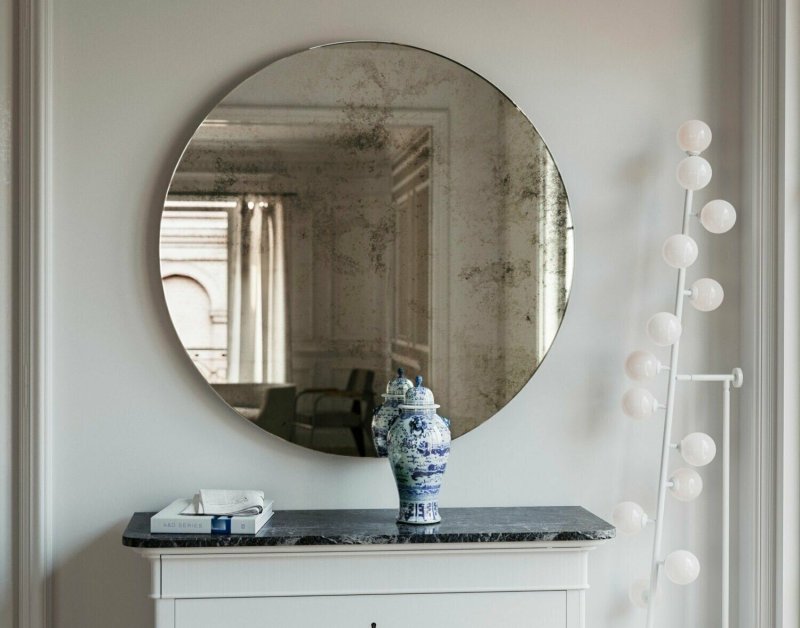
214,512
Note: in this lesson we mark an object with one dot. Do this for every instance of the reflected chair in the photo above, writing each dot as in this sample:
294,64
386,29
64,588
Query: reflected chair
277,416
270,406
329,410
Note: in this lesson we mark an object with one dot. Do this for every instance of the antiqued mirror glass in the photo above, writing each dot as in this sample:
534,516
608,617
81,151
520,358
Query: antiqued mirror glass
356,208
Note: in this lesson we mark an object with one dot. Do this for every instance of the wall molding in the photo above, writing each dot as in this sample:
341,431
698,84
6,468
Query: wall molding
34,540
788,488
765,330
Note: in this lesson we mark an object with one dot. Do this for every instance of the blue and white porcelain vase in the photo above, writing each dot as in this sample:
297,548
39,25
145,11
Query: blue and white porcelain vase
385,415
419,444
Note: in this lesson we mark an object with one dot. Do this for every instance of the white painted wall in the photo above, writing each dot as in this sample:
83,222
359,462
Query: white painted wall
606,84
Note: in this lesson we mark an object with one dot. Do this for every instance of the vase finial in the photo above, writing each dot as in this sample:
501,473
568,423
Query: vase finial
418,381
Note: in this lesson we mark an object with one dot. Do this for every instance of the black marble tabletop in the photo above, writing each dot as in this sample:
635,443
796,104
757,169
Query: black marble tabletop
378,527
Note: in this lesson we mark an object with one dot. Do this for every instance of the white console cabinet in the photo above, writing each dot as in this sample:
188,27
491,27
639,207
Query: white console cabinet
486,584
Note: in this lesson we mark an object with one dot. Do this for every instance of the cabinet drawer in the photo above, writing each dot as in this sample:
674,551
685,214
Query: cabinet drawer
541,609
394,571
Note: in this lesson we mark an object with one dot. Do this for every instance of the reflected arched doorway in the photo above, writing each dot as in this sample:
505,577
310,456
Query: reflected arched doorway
189,306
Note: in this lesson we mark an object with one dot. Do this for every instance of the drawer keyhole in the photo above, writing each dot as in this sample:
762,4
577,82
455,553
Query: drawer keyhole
373,625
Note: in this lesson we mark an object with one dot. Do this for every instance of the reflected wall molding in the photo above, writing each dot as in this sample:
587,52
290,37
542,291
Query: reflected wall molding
34,141
250,119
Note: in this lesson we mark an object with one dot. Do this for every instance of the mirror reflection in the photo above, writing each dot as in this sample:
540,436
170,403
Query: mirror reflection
353,209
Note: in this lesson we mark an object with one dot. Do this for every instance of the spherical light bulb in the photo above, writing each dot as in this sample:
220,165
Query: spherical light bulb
682,567
664,329
686,484
707,294
642,365
718,216
698,449
629,518
679,251
639,403
694,136
639,592
693,173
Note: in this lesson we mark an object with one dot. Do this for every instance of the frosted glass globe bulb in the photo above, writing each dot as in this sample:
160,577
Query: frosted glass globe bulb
694,136
707,294
693,173
718,216
639,592
686,484
642,365
698,449
629,518
682,567
639,403
679,251
664,329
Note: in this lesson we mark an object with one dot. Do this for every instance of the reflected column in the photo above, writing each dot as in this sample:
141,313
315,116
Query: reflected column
244,292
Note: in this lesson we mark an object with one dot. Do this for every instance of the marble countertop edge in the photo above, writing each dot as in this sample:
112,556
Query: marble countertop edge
378,527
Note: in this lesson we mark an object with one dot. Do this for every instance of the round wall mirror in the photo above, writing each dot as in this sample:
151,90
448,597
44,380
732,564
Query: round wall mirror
358,208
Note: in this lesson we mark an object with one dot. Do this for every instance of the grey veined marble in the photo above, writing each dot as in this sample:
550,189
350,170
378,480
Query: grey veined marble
378,527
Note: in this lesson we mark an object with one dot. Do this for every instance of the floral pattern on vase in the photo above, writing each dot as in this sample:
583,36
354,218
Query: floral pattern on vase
418,447
386,414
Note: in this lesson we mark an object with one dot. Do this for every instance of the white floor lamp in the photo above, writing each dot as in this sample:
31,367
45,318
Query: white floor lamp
664,329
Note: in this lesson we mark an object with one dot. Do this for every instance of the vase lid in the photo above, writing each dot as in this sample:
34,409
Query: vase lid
398,386
419,396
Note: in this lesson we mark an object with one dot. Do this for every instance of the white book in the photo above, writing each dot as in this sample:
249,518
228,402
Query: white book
171,521
226,502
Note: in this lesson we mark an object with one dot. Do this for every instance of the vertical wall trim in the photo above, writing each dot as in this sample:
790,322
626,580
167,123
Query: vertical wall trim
33,296
760,431
788,549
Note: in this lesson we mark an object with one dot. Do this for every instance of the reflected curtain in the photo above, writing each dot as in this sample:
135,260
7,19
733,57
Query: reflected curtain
555,253
258,331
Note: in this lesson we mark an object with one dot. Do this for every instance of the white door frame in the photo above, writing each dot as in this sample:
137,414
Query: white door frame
34,142
788,547
767,565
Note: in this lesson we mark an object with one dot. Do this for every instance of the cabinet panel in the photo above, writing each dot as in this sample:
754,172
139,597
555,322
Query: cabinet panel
542,609
375,572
